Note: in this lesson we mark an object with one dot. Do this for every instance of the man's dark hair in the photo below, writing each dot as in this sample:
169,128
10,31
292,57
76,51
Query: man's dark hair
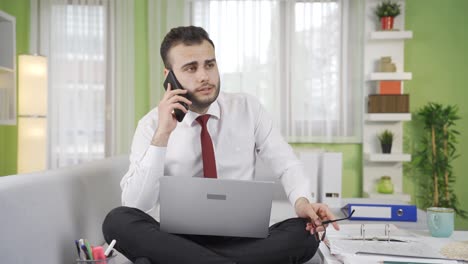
190,35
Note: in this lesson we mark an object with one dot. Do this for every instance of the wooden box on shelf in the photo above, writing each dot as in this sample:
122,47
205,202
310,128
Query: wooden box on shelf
388,103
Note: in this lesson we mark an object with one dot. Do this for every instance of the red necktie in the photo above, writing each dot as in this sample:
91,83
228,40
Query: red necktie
209,162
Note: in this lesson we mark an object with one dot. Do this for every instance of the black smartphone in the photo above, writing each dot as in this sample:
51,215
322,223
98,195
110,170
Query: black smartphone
171,78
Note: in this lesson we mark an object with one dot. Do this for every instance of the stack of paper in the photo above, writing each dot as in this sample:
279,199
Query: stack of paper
380,242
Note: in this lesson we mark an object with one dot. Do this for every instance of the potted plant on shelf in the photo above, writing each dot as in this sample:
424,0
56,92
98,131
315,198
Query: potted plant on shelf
434,156
386,11
386,140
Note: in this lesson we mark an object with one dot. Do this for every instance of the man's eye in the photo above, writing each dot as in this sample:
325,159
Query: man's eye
191,69
210,65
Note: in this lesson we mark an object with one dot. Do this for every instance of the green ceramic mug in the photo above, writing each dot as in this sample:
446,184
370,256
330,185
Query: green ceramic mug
440,221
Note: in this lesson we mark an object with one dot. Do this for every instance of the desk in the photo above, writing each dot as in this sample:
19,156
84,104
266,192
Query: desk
418,228
437,243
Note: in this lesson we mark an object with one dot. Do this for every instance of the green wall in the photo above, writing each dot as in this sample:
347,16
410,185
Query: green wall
8,134
437,56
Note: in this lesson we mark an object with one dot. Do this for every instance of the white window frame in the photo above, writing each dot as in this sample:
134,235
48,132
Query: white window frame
352,109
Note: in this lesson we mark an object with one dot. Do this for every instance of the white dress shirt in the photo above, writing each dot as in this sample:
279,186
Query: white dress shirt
240,130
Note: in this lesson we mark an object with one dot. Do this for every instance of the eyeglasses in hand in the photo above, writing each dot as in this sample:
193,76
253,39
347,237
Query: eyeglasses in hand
320,236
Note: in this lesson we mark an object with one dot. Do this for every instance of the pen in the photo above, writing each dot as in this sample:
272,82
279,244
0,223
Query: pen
90,252
110,247
85,250
81,244
77,244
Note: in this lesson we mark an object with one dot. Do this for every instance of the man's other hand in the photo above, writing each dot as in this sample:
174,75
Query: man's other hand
316,212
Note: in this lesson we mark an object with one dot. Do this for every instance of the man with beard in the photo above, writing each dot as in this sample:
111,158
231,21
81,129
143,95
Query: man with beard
240,130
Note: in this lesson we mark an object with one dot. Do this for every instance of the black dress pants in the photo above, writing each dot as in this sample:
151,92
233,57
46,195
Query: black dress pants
138,235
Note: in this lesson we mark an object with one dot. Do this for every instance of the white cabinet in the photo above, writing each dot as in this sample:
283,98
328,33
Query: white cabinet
390,76
7,69
387,117
390,35
379,44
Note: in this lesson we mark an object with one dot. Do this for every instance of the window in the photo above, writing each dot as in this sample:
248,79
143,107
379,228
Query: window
295,57
78,83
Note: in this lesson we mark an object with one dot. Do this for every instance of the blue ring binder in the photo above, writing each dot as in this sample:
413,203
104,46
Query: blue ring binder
382,212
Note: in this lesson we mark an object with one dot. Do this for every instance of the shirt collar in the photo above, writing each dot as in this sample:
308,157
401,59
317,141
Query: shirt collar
213,110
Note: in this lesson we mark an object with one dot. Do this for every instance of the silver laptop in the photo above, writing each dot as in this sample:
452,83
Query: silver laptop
216,207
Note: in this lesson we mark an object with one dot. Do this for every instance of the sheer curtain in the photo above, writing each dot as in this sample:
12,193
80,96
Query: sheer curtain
248,46
78,39
121,77
162,16
297,57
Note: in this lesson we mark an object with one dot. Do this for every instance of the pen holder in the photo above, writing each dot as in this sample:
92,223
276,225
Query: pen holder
109,260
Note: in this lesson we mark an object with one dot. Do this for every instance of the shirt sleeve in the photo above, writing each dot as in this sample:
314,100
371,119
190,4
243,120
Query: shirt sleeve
140,185
278,155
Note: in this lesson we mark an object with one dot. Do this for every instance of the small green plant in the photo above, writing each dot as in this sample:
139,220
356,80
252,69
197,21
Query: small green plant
386,137
387,9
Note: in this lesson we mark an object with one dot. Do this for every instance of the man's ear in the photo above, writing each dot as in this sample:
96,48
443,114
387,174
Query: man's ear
166,72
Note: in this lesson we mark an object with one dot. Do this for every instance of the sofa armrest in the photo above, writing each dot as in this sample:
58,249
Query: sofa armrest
44,212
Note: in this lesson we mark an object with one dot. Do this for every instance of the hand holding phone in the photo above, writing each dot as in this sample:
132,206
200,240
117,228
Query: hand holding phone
179,114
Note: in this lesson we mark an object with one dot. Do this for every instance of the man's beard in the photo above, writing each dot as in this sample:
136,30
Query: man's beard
200,105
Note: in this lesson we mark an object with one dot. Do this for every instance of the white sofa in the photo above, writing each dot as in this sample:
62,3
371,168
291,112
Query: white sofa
41,214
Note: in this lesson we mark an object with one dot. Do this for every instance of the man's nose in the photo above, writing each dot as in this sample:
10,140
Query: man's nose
202,75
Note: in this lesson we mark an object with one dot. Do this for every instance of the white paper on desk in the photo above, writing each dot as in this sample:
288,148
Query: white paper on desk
405,249
348,241
358,259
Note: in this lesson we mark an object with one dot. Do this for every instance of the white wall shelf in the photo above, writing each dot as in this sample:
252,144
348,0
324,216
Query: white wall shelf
389,35
394,196
7,69
378,44
390,76
392,157
388,117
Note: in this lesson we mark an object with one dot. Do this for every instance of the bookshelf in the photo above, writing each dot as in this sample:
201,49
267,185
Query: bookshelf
378,44
7,69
